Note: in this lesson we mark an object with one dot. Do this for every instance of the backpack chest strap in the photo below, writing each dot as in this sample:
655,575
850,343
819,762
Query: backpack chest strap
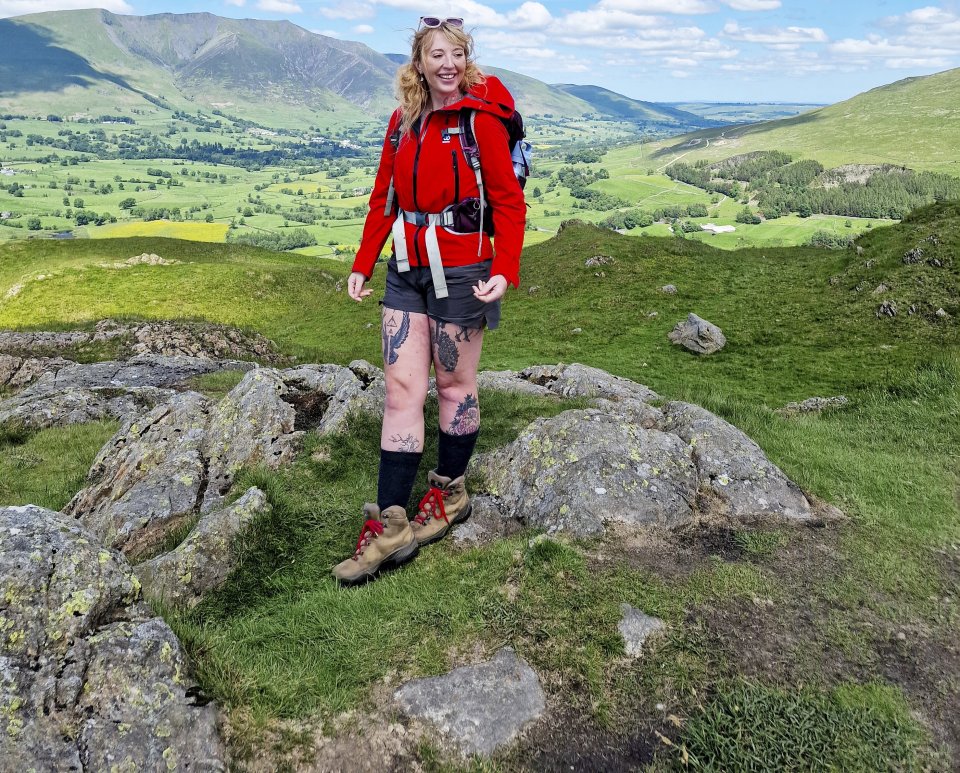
431,221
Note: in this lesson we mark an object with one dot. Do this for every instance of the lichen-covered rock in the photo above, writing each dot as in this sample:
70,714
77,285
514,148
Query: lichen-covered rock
747,485
143,370
814,405
509,381
9,365
581,469
33,368
203,560
54,408
252,425
325,395
697,335
578,380
147,478
87,681
479,708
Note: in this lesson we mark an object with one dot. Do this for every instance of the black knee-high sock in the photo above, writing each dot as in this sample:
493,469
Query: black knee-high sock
398,471
454,453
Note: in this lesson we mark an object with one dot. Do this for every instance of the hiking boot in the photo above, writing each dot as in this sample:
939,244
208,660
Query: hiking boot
385,542
445,504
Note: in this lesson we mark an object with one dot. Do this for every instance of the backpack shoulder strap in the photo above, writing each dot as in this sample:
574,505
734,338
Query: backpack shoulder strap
471,151
391,191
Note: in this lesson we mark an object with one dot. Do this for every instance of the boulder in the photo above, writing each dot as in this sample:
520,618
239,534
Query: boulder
325,395
148,478
698,335
583,468
814,405
745,485
89,680
479,708
252,425
9,365
205,558
577,380
510,381
636,627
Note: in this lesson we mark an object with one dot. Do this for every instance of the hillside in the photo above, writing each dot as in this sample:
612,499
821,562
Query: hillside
913,122
650,116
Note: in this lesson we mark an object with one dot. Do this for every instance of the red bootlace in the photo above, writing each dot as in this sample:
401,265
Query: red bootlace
370,529
431,504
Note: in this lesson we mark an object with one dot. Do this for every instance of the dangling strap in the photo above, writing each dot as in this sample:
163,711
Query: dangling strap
436,262
400,244
475,163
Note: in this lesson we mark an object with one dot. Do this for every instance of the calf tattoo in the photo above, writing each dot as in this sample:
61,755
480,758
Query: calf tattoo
467,418
408,444
394,333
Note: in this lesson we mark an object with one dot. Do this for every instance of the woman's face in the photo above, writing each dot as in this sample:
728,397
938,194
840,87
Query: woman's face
443,65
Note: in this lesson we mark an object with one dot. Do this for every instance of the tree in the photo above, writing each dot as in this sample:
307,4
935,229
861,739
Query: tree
746,215
128,203
33,223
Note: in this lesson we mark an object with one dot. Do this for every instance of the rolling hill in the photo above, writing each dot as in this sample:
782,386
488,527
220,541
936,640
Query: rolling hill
914,122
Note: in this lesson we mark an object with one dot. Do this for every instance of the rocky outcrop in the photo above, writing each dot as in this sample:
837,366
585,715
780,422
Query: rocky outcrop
89,679
326,395
203,560
252,425
697,335
72,393
148,478
814,405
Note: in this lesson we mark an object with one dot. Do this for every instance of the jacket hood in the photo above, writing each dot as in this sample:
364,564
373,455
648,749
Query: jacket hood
490,96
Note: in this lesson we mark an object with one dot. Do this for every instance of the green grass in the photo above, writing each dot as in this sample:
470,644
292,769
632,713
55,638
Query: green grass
48,467
752,727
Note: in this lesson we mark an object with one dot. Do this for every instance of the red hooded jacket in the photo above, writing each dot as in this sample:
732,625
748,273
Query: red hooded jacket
430,172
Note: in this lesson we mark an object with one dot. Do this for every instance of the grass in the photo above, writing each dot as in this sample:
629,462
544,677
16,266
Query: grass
753,727
280,641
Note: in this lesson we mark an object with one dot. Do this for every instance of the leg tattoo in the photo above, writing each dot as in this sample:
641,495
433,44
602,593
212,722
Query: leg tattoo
447,351
467,418
408,444
393,334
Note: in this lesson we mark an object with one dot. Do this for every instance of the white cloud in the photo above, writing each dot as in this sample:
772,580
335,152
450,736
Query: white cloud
235,3
328,33
278,6
908,63
345,10
528,15
363,29
775,36
752,5
21,7
657,6
680,73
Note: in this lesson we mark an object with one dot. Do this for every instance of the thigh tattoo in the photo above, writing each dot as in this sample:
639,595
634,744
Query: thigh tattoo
393,333
447,352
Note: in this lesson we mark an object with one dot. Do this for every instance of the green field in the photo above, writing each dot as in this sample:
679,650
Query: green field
754,614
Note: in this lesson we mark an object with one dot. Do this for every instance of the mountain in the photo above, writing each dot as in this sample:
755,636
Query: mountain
96,61
914,122
636,111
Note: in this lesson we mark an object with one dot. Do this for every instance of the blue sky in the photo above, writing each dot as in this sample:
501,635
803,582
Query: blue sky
659,50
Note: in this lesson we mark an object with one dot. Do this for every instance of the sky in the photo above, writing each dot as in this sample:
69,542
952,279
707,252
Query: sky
815,51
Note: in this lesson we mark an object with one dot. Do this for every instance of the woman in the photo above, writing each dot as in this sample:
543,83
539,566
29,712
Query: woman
444,283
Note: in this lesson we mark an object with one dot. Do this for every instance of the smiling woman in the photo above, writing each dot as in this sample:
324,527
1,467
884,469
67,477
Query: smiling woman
444,282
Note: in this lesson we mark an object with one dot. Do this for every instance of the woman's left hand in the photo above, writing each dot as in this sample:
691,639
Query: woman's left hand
491,290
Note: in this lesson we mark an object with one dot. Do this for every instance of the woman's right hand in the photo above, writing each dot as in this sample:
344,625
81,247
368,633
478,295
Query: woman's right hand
356,286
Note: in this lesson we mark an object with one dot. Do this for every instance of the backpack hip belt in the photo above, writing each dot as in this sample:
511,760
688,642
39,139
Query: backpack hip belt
431,220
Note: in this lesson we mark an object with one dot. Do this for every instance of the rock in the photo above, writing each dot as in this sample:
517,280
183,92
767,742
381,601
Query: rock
887,309
9,365
203,560
509,381
814,405
487,523
143,370
87,680
148,478
60,408
583,468
599,260
252,425
913,256
577,331
881,288
325,395
636,628
33,368
669,289
577,380
533,289
942,314
745,484
698,335
479,708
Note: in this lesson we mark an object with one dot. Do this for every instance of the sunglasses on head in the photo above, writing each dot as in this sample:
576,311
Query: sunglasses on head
434,21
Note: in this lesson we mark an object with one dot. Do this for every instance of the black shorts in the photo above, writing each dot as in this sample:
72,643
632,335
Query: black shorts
413,291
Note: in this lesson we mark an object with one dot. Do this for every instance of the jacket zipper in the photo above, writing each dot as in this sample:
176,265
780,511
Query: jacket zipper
456,177
416,165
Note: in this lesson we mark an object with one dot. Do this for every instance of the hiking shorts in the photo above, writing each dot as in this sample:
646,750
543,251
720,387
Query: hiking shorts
413,291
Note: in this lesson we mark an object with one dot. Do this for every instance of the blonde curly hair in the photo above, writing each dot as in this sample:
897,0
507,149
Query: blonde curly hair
412,91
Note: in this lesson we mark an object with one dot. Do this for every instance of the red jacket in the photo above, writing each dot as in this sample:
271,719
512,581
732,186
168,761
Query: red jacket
430,172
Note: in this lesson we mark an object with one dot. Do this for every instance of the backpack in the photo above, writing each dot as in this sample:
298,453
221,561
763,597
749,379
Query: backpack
520,153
